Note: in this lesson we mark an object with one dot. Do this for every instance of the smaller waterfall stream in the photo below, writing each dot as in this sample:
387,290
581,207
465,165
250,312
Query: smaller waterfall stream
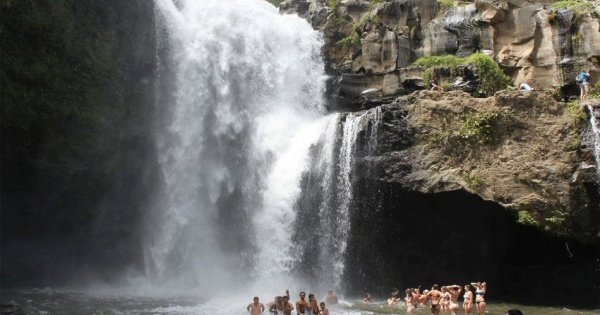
596,136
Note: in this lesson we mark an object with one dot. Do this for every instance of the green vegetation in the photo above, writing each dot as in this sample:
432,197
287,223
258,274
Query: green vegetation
471,129
354,37
574,110
481,127
579,7
71,96
595,91
492,78
556,223
473,181
445,5
524,217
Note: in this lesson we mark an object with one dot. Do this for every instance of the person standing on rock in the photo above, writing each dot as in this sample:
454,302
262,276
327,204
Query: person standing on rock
584,86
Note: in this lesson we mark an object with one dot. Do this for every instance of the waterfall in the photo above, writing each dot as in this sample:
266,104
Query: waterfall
243,107
326,203
596,135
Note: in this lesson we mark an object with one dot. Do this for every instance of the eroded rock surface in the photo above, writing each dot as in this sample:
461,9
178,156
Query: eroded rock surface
523,151
531,40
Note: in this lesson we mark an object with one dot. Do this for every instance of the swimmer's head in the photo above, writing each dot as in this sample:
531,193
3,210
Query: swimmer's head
256,299
302,294
435,287
322,304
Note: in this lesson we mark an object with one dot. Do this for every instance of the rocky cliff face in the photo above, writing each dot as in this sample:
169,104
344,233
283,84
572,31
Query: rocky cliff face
525,152
370,44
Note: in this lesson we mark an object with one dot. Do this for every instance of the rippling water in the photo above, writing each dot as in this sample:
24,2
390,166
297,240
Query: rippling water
47,301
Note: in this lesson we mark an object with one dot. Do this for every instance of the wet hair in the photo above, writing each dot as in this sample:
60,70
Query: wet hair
255,298
322,304
514,311
435,287
302,292
408,291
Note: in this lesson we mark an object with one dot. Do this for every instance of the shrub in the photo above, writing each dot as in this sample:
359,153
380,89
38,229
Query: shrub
492,78
575,111
481,126
524,217
579,7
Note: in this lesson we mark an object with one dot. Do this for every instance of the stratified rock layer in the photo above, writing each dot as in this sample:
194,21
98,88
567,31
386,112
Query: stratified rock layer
523,151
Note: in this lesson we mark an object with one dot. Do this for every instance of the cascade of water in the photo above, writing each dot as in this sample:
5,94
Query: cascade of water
243,109
596,134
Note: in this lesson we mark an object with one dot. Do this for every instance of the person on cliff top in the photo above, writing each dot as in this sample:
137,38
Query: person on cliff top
480,305
436,299
255,308
332,299
524,87
435,83
584,86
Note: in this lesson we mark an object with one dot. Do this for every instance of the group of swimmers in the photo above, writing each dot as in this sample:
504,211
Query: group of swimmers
444,299
305,307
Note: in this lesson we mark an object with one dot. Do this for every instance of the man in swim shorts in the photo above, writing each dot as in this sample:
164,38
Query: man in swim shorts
255,308
301,304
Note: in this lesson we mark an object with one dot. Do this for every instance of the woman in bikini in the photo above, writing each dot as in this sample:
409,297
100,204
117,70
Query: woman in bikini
454,291
481,288
468,299
445,301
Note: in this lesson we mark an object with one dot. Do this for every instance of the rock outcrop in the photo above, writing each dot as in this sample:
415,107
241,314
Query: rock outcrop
523,151
533,41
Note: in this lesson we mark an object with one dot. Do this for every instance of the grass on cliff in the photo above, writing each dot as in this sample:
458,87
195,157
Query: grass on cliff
473,128
579,7
492,78
354,37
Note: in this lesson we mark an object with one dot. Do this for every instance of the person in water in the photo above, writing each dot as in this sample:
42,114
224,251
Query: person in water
514,311
286,306
332,298
454,291
275,306
367,299
468,299
255,308
436,298
301,304
323,310
313,305
410,301
394,297
445,302
480,289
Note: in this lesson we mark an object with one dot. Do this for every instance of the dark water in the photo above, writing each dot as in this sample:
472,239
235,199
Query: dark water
48,301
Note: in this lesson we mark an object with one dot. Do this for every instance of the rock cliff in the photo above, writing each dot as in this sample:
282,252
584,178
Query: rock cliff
524,151
371,44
